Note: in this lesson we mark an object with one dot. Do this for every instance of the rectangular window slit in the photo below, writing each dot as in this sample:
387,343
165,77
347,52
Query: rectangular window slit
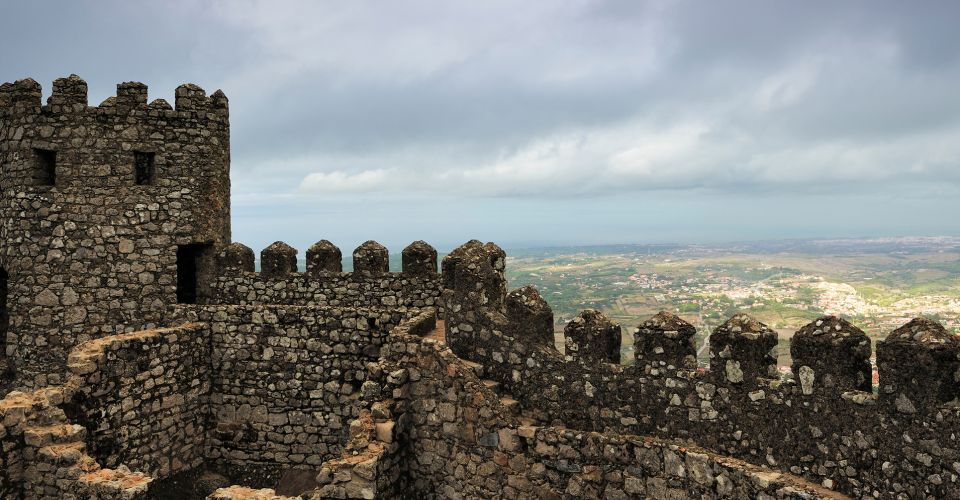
45,171
194,271
143,165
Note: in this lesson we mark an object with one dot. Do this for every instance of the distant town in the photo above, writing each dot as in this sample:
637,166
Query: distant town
878,284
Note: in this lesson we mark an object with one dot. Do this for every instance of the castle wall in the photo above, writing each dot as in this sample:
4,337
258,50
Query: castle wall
323,284
88,251
462,443
345,290
900,441
286,380
143,398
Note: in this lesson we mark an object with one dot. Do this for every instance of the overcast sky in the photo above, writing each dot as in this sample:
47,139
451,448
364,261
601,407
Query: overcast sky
545,122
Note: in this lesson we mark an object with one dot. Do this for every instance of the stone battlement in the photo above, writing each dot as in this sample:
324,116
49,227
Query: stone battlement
890,442
69,95
151,360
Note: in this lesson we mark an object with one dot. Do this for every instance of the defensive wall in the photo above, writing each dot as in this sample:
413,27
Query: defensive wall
355,399
156,362
323,282
826,424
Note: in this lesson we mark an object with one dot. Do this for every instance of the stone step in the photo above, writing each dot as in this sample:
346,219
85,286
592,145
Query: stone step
477,368
512,406
493,385
116,483
69,453
54,434
527,421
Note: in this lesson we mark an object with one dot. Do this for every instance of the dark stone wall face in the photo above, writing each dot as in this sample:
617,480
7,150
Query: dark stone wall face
371,258
592,338
278,260
900,442
144,403
532,316
665,343
286,380
833,355
95,253
419,258
458,441
741,350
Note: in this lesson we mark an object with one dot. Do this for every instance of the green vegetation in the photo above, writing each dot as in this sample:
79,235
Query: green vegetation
878,289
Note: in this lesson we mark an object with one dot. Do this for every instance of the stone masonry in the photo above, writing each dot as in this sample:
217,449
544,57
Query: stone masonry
145,357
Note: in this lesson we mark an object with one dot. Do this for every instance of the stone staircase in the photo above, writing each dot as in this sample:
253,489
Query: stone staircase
509,403
55,461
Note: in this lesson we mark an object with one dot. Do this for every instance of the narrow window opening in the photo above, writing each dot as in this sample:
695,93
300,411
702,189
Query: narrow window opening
45,171
144,169
194,272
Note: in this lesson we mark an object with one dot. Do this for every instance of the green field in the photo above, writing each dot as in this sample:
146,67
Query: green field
877,286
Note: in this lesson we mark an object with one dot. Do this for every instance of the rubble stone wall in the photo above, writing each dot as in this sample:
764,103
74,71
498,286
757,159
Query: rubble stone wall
143,398
286,380
91,252
462,443
323,284
344,290
900,441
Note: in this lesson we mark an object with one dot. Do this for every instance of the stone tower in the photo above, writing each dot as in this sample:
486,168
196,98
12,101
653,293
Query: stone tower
108,214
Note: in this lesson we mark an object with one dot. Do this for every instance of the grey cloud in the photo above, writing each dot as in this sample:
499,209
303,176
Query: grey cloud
536,100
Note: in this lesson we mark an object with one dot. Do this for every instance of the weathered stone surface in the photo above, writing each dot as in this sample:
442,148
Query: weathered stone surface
419,259
371,258
324,257
278,261
919,366
664,343
113,242
743,346
236,258
592,337
342,378
532,316
836,354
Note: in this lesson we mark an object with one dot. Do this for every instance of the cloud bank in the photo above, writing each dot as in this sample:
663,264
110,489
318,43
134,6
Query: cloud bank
531,101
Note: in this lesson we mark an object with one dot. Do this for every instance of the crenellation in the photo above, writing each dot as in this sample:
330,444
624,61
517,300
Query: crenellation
191,98
591,337
97,208
6,90
665,344
25,96
158,362
919,365
370,259
220,103
324,257
278,261
235,259
131,96
158,106
741,351
830,354
419,259
69,95
531,315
